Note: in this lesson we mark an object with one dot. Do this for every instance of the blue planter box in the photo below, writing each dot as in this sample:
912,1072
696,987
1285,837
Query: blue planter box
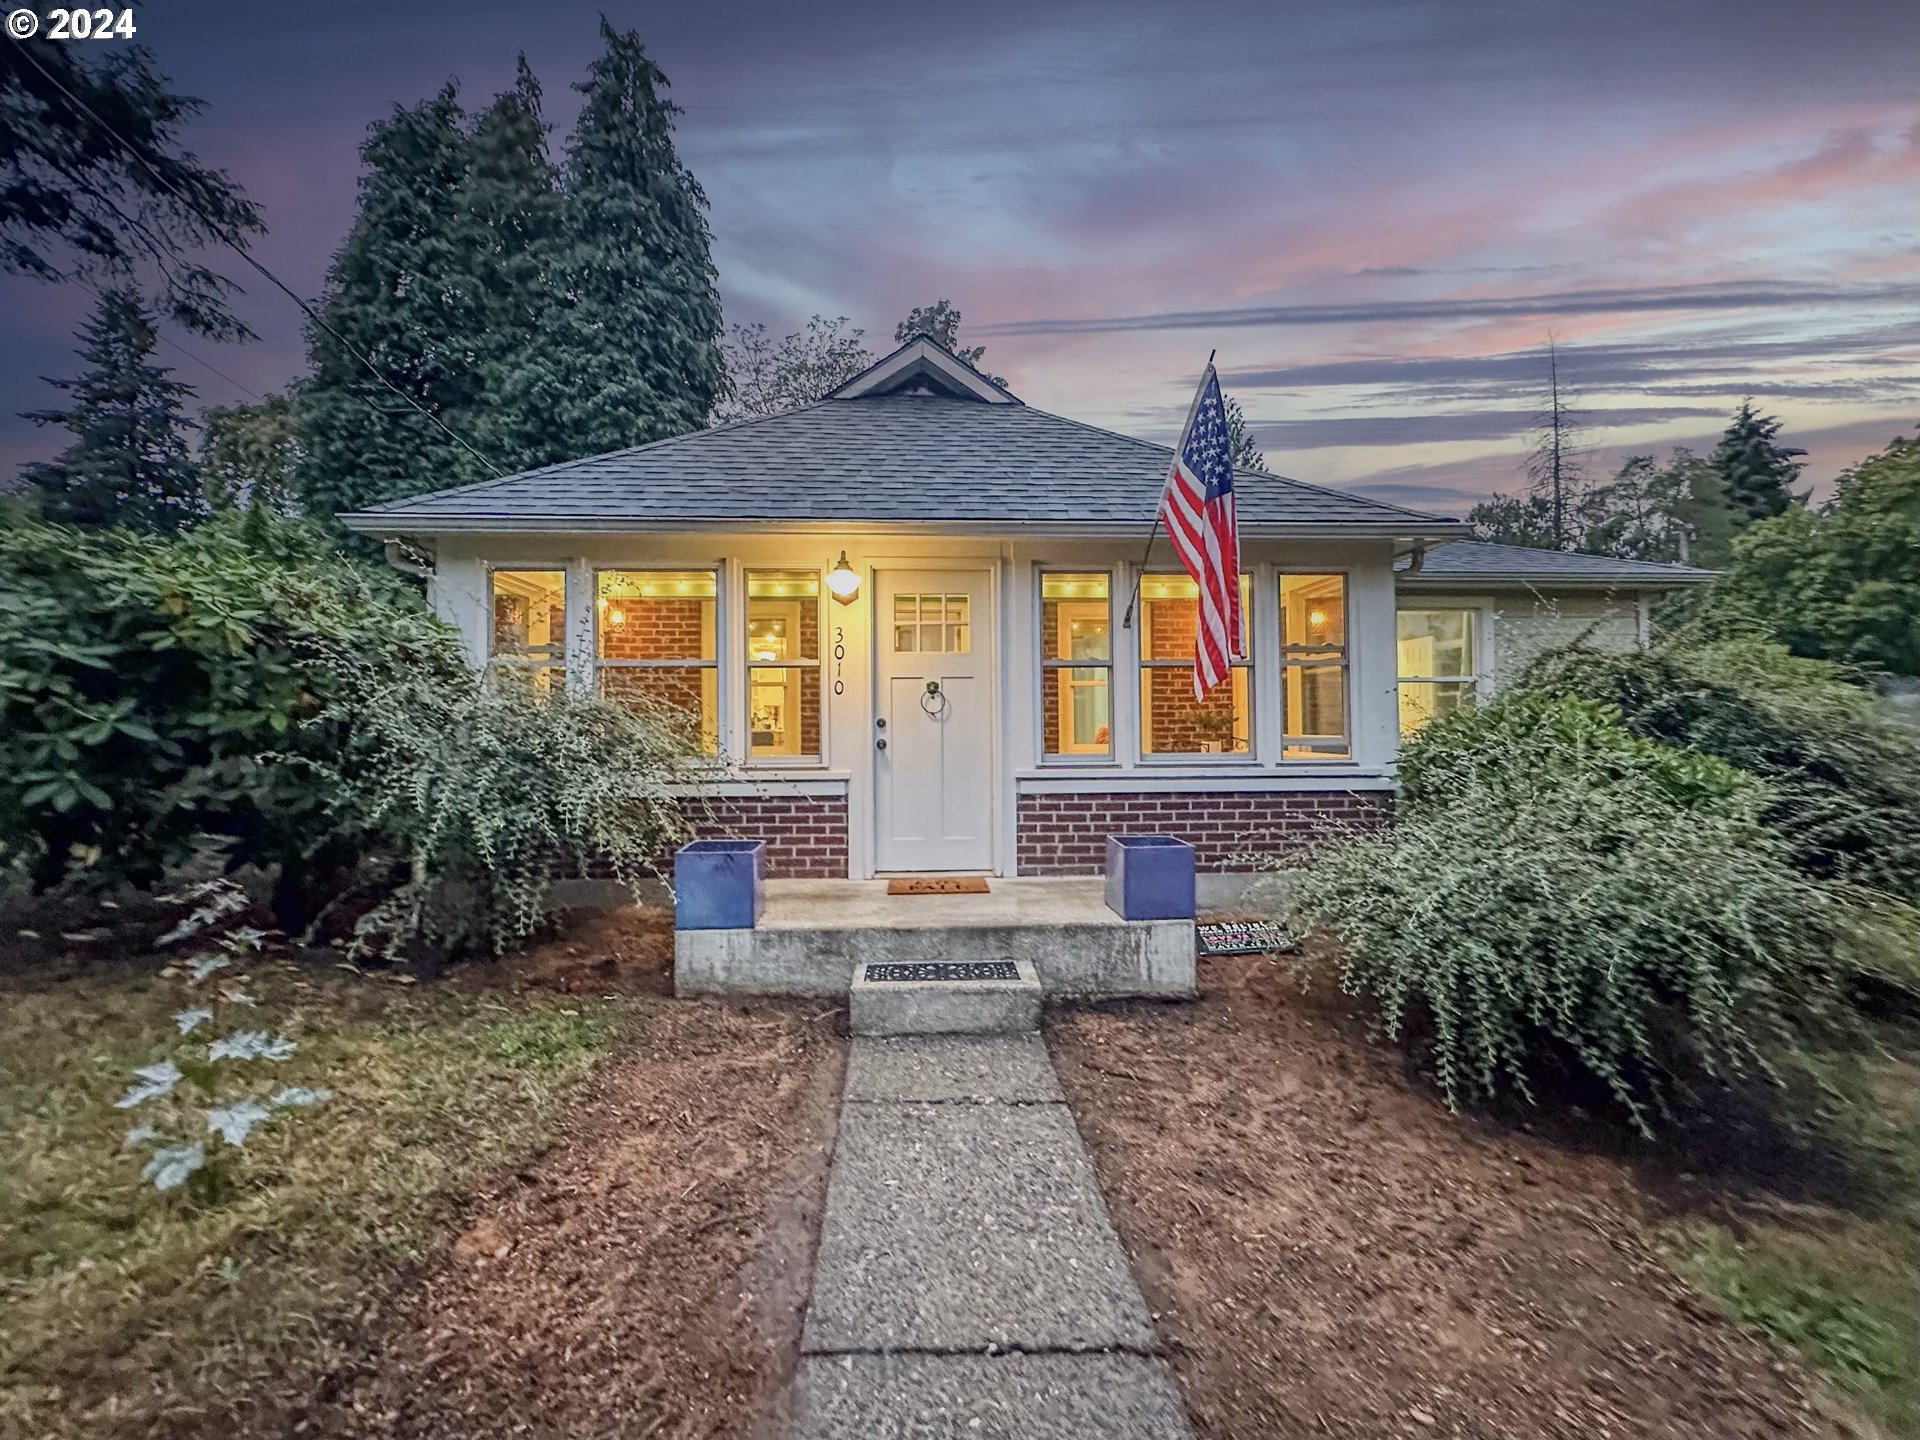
1149,877
719,884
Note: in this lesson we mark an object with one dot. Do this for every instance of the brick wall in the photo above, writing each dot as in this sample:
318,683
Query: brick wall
1180,725
1067,834
806,835
654,628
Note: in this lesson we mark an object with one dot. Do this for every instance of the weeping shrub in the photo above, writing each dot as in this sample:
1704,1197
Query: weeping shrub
1844,771
1557,892
489,792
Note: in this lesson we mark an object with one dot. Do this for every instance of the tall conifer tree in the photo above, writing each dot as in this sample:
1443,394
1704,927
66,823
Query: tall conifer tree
128,464
1755,467
402,292
630,350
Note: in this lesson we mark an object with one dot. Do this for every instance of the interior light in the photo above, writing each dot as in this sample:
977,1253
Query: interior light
617,616
843,580
1316,617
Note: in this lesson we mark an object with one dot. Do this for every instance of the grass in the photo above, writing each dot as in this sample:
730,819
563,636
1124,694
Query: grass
1838,1282
127,1312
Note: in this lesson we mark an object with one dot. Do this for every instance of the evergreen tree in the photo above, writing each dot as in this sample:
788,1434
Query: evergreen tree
940,323
510,218
128,463
401,289
1514,520
1755,469
1246,454
630,343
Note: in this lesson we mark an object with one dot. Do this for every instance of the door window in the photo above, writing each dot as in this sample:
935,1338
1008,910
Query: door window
932,624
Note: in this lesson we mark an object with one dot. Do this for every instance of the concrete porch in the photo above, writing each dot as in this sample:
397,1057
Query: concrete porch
814,932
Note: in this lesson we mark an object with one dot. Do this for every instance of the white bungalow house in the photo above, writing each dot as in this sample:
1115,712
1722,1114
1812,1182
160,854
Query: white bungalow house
913,622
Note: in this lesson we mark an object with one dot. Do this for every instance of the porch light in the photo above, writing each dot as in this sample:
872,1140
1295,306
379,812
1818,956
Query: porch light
843,580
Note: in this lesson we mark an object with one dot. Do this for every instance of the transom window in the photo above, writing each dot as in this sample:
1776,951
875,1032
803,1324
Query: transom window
527,633
1076,664
1438,664
1314,661
932,624
783,664
1172,722
655,645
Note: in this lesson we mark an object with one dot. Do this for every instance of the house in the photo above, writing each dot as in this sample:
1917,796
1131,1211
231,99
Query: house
914,620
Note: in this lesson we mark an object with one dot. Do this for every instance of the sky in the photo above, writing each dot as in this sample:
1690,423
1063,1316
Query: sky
1376,213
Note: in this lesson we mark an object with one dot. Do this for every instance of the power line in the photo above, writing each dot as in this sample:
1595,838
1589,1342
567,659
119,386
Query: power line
220,233
164,339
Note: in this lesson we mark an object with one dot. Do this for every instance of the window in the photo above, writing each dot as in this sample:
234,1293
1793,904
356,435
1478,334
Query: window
1172,722
655,645
1313,656
1076,664
931,624
1438,668
528,633
783,664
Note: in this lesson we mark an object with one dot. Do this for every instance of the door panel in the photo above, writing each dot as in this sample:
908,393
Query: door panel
934,778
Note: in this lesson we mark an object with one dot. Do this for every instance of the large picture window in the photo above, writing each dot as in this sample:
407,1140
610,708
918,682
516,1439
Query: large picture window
783,665
1172,722
1076,664
1438,664
1314,657
527,633
654,645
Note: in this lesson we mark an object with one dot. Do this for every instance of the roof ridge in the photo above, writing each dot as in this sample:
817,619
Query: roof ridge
1242,470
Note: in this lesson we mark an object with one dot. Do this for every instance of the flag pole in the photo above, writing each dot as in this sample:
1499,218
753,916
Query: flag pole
1133,600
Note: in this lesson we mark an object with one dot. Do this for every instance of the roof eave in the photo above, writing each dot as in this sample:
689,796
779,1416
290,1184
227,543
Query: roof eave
385,523
1452,583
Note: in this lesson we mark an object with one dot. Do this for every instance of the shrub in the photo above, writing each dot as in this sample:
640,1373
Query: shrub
488,792
151,692
1559,891
1845,774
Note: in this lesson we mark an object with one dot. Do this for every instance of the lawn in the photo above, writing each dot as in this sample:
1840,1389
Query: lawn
396,1251
1331,1253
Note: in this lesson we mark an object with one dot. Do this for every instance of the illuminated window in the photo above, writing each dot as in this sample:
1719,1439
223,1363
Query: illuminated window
528,634
1076,664
1172,722
1313,656
783,664
654,645
1438,668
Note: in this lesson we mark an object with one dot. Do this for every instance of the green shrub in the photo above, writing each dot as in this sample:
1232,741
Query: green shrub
1558,892
489,792
151,691
1845,773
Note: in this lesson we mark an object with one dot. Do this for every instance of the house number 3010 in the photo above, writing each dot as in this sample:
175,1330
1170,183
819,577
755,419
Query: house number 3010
839,654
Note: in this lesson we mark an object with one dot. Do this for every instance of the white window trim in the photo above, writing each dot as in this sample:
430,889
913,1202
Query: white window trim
1313,657
1109,758
748,760
721,572
1245,759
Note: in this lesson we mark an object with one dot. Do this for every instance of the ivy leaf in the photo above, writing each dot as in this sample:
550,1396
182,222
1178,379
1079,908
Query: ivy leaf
153,1080
191,1020
169,1168
301,1096
202,966
251,1045
233,1123
139,1135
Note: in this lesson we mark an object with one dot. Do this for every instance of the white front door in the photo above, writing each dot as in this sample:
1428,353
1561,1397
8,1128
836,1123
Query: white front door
933,721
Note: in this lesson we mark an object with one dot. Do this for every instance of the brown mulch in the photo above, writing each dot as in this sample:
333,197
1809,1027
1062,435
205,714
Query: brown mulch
1331,1253
648,1276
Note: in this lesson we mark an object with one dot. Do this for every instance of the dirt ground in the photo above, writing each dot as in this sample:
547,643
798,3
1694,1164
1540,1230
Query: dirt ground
647,1276
1330,1253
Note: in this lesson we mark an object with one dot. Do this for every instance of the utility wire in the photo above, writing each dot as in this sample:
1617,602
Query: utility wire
220,233
164,339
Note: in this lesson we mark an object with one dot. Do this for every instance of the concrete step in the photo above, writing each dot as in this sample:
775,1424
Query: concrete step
922,997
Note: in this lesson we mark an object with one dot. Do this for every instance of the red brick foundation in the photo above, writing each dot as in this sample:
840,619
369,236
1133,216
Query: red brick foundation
1067,834
806,835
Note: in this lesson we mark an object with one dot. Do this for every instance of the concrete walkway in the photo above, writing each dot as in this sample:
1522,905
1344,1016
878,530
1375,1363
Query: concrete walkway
968,1282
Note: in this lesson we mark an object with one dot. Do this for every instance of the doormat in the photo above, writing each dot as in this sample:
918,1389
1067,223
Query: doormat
944,970
1244,937
937,885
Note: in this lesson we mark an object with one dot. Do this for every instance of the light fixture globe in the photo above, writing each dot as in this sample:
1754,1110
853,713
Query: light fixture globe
843,580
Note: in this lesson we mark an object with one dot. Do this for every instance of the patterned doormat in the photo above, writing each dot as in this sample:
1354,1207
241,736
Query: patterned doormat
937,885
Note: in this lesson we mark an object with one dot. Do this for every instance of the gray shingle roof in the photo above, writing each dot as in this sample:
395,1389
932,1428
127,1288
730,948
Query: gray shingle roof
1480,562
918,459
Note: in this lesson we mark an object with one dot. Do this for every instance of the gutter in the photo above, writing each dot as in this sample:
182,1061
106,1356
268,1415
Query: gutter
390,524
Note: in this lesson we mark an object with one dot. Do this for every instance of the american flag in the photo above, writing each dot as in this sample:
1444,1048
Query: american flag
1197,508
